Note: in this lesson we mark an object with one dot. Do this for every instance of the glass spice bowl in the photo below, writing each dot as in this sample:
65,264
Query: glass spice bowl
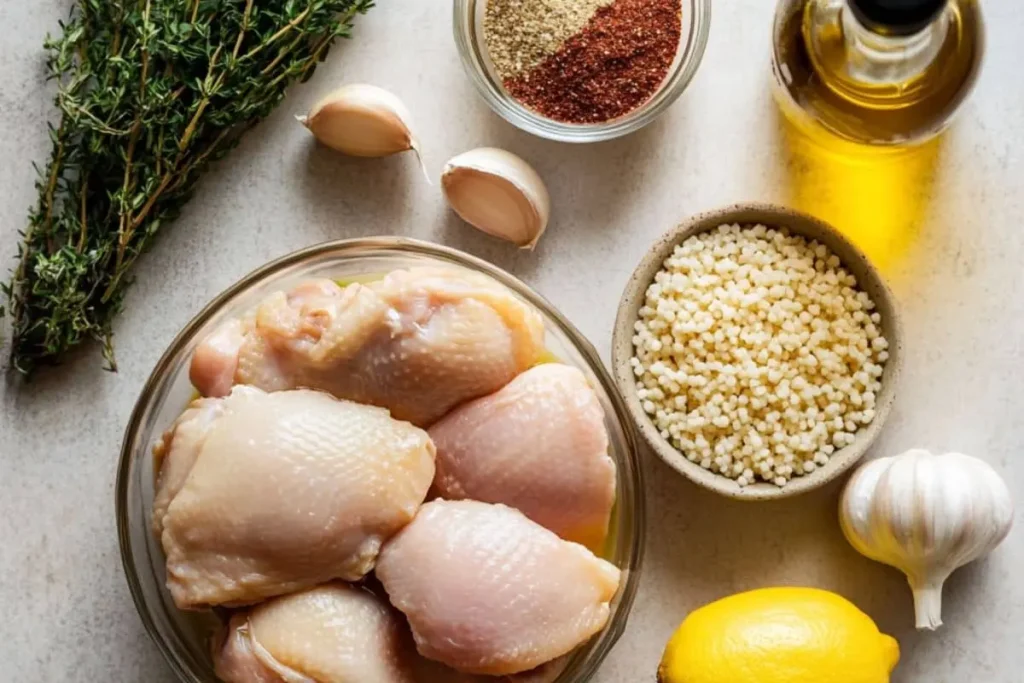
184,638
469,37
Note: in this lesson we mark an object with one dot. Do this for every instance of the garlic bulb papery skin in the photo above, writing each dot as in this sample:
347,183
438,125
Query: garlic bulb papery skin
497,192
363,121
926,515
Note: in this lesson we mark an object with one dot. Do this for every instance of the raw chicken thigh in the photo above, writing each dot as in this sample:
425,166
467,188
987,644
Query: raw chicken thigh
429,671
488,591
263,494
335,633
538,445
418,342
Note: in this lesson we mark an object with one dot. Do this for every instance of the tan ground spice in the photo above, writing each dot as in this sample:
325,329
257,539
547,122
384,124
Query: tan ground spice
520,34
615,64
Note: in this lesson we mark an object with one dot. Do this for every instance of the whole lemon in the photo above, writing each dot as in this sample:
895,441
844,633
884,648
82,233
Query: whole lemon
779,635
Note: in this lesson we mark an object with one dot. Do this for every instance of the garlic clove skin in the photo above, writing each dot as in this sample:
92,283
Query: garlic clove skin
498,193
361,120
926,515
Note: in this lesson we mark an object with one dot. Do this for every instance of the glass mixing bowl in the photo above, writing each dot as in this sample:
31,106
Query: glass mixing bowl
469,37
184,637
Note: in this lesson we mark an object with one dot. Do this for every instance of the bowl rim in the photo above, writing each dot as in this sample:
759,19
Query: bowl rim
852,258
691,53
159,376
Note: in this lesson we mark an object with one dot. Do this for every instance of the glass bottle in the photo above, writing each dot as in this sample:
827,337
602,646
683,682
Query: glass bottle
875,72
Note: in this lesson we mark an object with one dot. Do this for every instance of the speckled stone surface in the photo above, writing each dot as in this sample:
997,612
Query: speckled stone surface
67,614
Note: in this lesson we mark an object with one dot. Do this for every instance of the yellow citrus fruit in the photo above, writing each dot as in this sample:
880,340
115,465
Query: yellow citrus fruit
779,635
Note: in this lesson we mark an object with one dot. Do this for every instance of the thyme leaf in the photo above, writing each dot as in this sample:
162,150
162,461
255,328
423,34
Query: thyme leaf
149,93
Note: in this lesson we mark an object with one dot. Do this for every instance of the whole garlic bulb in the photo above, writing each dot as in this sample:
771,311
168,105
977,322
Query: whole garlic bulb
926,515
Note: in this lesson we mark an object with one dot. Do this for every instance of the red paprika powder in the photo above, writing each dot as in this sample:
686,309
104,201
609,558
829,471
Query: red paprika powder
613,66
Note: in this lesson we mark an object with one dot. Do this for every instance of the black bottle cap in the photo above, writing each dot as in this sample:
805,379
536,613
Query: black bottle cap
896,17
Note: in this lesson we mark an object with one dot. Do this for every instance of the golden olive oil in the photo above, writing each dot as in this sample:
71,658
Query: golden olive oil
863,105
877,199
866,85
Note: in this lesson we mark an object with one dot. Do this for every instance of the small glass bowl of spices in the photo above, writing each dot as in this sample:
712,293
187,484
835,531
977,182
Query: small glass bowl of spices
581,70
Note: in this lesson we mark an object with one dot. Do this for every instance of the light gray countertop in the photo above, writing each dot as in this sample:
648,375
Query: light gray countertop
67,612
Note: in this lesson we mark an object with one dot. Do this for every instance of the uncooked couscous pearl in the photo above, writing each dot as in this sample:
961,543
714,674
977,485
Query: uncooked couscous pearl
770,393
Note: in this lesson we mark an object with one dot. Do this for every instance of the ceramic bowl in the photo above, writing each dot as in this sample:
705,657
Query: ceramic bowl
853,259
184,637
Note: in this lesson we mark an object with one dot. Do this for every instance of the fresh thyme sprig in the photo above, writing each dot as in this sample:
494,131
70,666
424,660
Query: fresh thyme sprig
150,92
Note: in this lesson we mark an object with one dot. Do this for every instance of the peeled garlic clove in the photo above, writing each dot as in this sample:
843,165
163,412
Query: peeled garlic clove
498,193
361,120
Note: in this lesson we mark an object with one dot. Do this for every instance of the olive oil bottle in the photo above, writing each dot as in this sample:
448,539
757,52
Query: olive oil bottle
865,88
876,72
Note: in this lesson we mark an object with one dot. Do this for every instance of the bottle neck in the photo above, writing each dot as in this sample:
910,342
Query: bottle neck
875,57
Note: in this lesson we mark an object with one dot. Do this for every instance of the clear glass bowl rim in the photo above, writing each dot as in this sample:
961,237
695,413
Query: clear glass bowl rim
160,376
519,116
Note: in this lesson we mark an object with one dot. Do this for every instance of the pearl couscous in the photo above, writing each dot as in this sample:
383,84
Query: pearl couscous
756,355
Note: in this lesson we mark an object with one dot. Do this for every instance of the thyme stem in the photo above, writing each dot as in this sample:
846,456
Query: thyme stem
149,93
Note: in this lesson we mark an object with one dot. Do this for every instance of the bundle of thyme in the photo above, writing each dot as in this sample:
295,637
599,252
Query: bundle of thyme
150,92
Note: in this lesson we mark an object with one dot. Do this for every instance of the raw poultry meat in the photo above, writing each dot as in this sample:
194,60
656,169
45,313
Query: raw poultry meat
263,494
418,342
487,591
538,445
335,633
429,671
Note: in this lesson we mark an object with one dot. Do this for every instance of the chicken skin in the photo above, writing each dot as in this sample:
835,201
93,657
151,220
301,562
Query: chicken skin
417,342
487,591
334,633
264,494
539,445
